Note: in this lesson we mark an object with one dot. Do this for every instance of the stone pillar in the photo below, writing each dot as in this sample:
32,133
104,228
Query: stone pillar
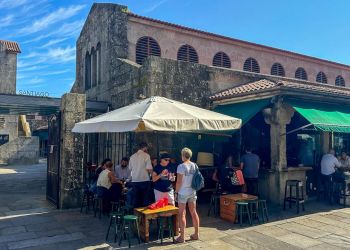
278,117
273,181
325,142
73,109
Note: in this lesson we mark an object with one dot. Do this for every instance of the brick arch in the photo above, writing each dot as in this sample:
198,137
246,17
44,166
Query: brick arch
146,46
221,59
251,65
187,53
277,70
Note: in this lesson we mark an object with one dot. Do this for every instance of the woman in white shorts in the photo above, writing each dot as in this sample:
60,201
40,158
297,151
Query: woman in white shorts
186,194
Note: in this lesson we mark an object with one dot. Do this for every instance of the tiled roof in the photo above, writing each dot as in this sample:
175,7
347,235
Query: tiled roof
268,85
10,46
284,52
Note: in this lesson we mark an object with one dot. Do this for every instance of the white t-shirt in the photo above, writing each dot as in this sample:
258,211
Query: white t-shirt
328,164
187,170
139,163
103,179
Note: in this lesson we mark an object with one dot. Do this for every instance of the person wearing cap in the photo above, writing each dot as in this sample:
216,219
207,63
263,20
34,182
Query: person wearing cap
163,175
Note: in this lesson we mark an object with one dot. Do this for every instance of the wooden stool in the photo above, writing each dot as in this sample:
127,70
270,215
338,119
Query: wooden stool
165,220
243,209
263,210
254,210
128,222
298,198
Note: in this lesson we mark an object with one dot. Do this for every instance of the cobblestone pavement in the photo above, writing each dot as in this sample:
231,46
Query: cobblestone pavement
28,221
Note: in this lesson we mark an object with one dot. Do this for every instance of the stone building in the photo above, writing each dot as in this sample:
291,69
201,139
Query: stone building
14,146
122,56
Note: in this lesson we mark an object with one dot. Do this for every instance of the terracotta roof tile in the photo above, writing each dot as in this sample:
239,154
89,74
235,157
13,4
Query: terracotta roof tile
9,46
268,85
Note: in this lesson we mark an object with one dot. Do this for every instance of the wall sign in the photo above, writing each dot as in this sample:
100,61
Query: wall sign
4,139
34,93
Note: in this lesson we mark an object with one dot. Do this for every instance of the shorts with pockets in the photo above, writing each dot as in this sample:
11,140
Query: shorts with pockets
186,198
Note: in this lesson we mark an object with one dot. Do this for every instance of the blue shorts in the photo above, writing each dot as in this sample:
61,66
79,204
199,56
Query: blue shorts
186,198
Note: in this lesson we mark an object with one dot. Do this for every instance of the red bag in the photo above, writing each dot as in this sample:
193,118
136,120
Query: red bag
159,204
240,177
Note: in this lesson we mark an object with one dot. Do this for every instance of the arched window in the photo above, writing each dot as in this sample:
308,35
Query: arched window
300,73
277,70
321,77
221,60
251,65
98,71
187,53
87,71
339,81
146,46
93,67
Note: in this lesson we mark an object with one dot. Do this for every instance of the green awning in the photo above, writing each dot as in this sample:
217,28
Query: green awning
325,117
243,110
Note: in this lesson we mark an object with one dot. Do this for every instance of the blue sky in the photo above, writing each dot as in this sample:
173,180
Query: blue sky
47,30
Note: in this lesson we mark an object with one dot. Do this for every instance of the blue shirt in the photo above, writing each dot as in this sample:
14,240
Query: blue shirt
250,165
163,184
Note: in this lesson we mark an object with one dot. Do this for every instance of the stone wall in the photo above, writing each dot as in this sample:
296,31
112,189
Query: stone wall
106,24
8,70
20,151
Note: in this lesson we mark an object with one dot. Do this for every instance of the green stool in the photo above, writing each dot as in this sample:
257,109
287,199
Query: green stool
128,222
254,210
116,218
168,220
243,209
263,210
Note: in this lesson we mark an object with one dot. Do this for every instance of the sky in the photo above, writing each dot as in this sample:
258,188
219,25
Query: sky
47,30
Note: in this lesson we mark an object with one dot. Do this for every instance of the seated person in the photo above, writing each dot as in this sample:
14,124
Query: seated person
122,171
163,175
108,186
96,174
224,174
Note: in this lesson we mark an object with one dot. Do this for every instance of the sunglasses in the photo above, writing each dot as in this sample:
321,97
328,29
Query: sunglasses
166,159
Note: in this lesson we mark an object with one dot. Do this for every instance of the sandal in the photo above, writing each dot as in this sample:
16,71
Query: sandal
178,240
194,237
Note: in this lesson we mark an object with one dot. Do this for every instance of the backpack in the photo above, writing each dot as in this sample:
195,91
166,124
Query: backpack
197,180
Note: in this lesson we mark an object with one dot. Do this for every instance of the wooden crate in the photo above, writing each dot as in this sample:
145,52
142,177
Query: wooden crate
228,205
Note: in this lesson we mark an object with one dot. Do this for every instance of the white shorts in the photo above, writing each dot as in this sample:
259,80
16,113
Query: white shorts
170,195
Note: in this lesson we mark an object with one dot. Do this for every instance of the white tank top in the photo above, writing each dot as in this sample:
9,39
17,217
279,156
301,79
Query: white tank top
103,180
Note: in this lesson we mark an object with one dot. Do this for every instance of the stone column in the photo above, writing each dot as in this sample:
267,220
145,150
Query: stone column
73,109
325,142
273,181
278,117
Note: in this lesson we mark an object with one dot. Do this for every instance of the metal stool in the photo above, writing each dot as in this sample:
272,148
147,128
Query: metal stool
115,221
254,210
128,222
298,198
243,209
165,220
342,191
98,206
215,201
86,199
263,210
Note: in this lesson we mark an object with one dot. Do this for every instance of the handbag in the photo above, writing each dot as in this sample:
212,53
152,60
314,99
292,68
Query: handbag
237,178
